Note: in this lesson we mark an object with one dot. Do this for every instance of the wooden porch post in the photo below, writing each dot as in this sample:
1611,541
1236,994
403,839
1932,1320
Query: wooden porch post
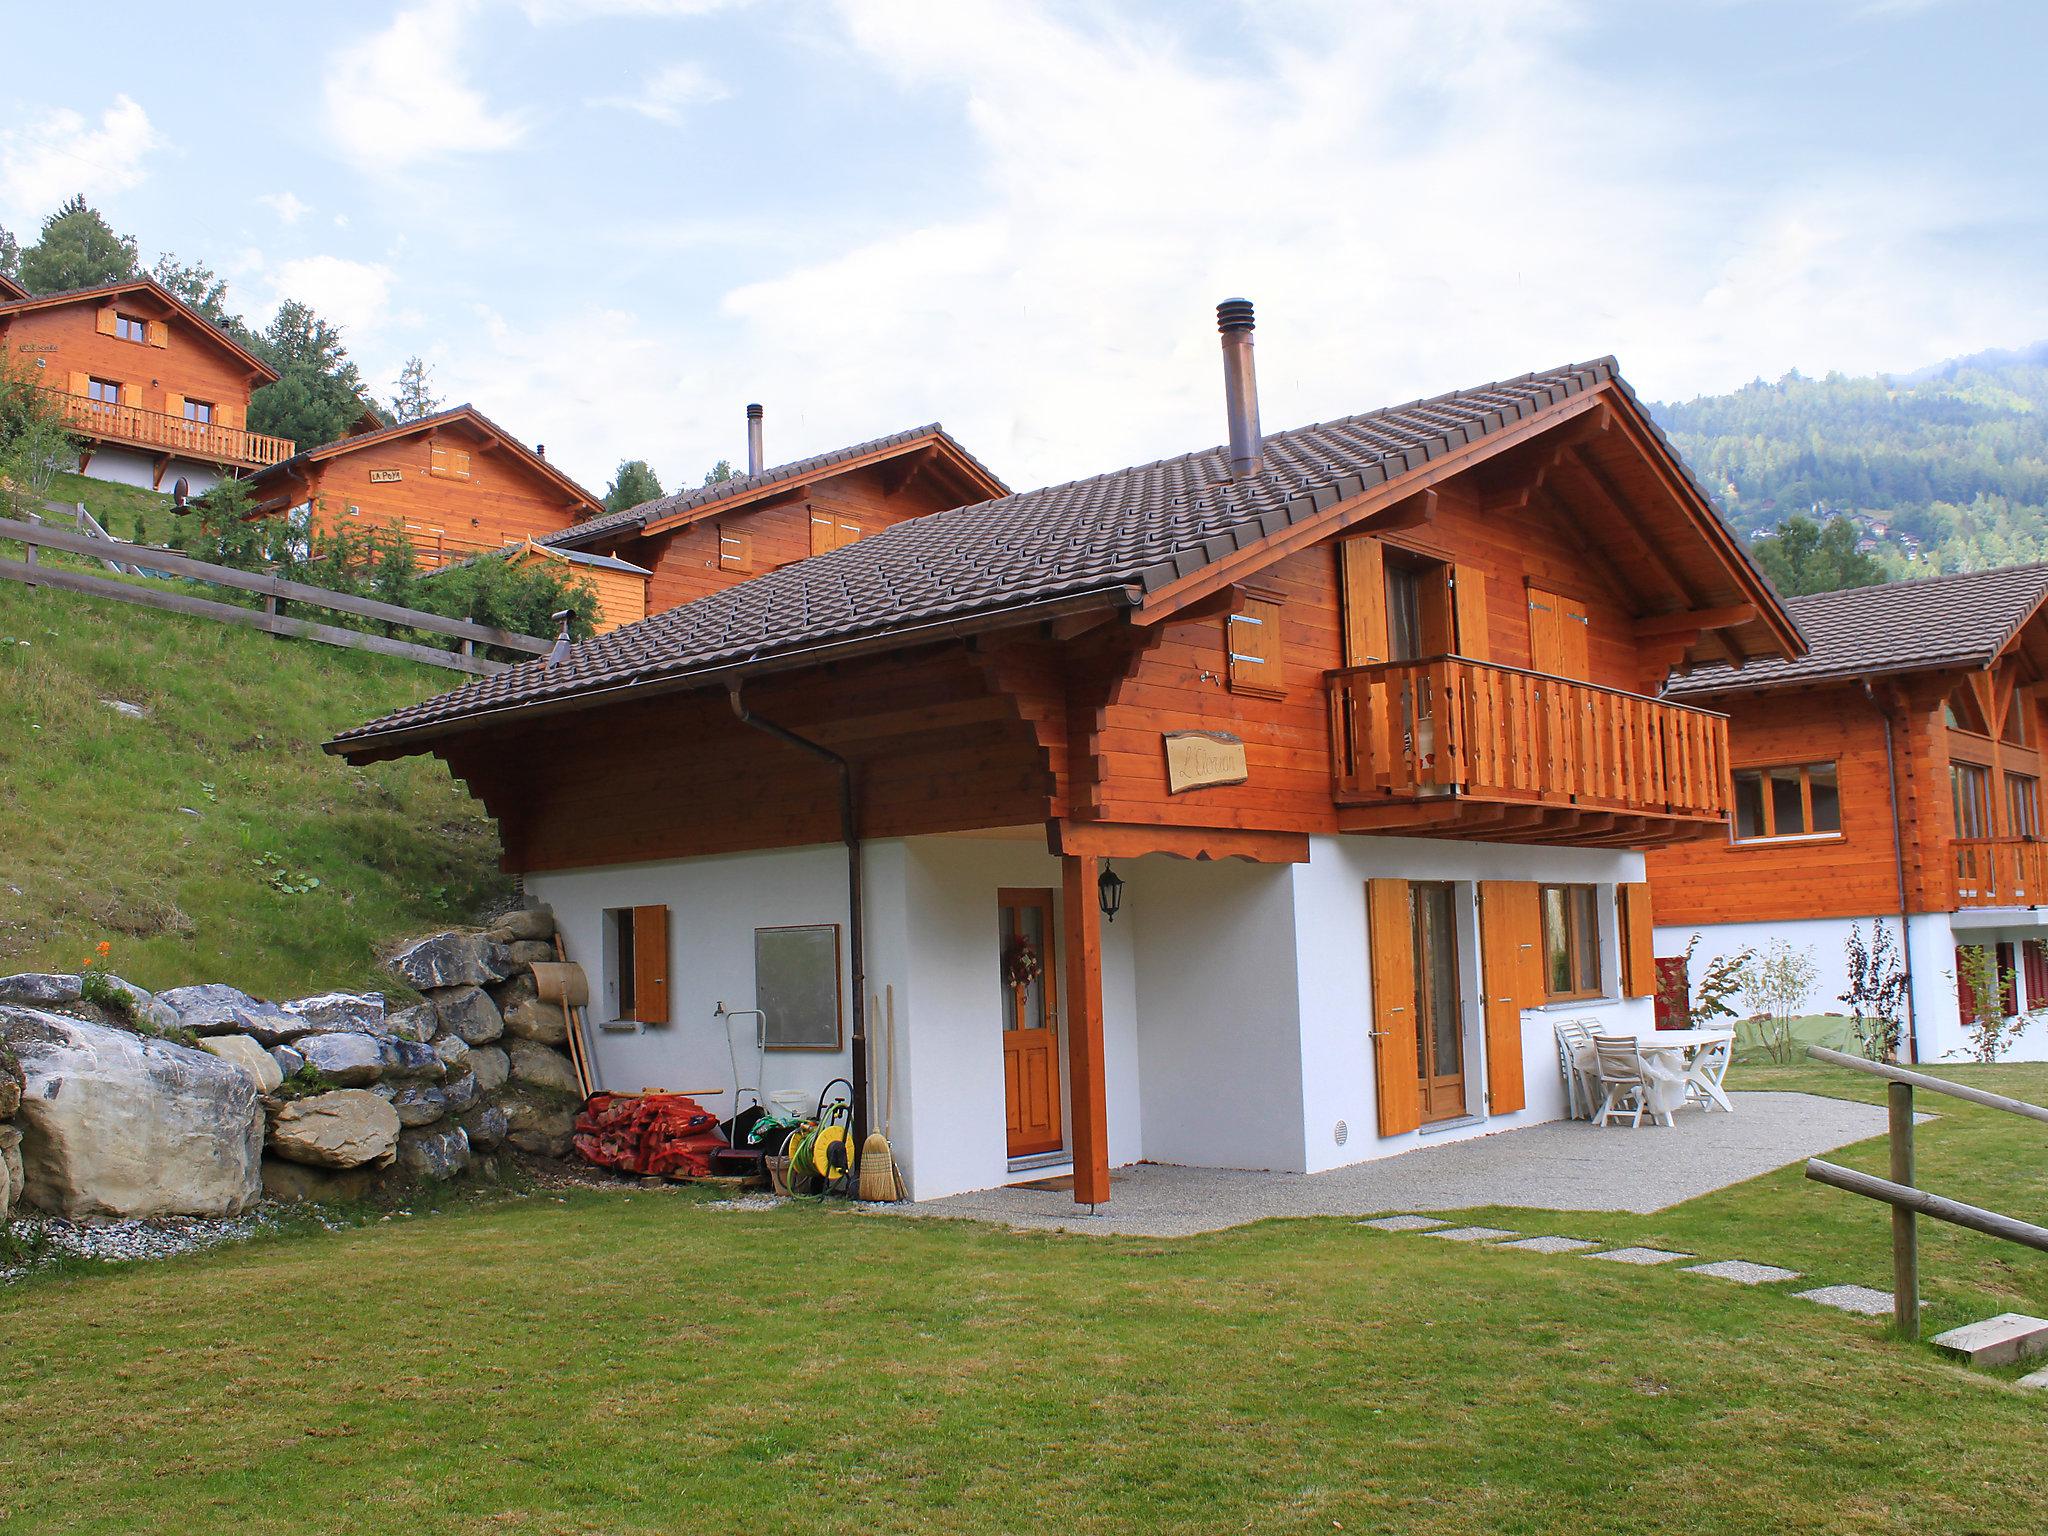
1090,1106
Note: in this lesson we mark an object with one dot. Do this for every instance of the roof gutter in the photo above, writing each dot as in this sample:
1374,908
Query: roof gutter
378,746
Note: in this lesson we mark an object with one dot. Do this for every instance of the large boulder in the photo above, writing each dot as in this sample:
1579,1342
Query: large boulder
539,1066
348,1128
243,1052
459,1090
525,951
454,1053
440,1153
415,1023
452,960
419,1104
10,1169
117,1124
302,1182
469,1014
525,923
409,1058
214,1008
540,1123
340,1012
538,1021
40,989
491,1066
485,1126
138,1006
10,1083
347,1061
508,994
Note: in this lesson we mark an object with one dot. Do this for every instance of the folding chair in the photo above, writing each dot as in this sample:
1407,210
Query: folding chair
1625,1088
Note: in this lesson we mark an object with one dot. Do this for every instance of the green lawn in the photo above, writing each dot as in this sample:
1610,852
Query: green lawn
627,1363
174,836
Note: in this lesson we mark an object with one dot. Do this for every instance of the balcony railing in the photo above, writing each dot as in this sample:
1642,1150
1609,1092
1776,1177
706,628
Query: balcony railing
2000,871
205,440
1448,726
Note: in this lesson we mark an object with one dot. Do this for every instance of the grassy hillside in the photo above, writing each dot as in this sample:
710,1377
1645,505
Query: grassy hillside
191,838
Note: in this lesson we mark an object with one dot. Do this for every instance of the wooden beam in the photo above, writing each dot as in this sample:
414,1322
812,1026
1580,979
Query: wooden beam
1694,619
1415,512
1610,497
1128,840
1087,1091
1544,503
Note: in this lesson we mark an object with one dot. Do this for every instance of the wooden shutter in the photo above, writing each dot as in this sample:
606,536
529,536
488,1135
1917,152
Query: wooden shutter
735,551
822,528
461,464
437,460
159,334
1504,969
650,965
104,321
1558,627
1362,574
1251,639
1468,591
1638,942
1390,925
174,406
229,415
81,383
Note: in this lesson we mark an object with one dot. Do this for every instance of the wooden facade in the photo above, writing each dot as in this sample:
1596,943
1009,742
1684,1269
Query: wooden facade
130,365
620,588
455,483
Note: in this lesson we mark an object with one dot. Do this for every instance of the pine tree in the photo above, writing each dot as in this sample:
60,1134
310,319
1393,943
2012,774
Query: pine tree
720,472
635,483
415,399
318,395
77,249
10,252
205,290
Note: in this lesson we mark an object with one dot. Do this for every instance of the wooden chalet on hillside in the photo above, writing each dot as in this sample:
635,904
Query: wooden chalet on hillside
455,483
711,537
1260,807
10,289
154,391
1890,776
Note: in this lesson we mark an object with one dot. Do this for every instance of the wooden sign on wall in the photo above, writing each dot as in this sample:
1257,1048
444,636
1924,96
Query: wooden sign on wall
386,476
1200,759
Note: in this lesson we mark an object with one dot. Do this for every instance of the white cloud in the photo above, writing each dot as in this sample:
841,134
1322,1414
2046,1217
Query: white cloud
543,12
402,95
665,94
49,158
285,205
352,294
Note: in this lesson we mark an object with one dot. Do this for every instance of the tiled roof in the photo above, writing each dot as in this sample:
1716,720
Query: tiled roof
1116,535
1906,626
741,487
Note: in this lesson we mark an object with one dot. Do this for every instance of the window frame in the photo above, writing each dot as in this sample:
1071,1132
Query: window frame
94,382
1578,927
2023,806
124,321
1768,806
192,407
1979,777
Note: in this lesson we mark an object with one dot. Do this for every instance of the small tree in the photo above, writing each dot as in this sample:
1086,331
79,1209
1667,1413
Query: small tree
1985,982
77,249
34,445
720,472
205,290
1775,988
1877,991
221,527
1723,978
415,399
635,483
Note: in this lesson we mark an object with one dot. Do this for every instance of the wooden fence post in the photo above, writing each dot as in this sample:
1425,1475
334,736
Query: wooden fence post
1905,1236
35,520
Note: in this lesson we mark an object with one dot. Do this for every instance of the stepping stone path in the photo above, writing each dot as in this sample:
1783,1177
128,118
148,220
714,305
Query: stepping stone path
1550,1244
1639,1256
1470,1234
1742,1272
1851,1298
1999,1340
1403,1223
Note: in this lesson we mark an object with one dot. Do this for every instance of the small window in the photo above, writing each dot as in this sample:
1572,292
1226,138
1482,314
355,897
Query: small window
130,328
1970,788
796,987
199,410
1571,941
1251,637
105,391
829,531
2023,805
1962,714
1804,800
735,551
636,964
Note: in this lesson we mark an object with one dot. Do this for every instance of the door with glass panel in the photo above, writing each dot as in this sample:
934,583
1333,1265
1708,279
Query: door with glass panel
1031,1027
1439,1011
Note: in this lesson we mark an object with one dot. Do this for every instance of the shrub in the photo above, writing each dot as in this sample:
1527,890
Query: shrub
1991,1032
1775,986
1877,991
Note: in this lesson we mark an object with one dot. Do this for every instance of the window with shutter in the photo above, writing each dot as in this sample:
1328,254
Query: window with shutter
1362,576
1638,935
159,334
106,321
735,551
1391,935
1252,638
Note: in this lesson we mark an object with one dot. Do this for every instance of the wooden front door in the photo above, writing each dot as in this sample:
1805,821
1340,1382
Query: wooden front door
1558,632
1439,1016
1029,978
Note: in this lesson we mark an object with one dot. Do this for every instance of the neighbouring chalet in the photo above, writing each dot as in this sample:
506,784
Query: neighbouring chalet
10,289
1263,807
455,482
154,391
1891,775
700,541
620,587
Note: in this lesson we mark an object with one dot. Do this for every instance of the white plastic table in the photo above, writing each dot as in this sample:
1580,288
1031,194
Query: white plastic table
1672,1060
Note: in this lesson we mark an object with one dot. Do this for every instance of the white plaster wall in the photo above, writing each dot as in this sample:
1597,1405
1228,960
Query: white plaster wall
1824,938
128,466
1338,1080
1218,1012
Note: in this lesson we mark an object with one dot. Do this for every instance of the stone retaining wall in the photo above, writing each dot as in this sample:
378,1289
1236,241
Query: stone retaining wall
202,1099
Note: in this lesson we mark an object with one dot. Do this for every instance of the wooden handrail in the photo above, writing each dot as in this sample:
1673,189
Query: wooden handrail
1912,1079
1541,677
176,434
1999,871
1926,1203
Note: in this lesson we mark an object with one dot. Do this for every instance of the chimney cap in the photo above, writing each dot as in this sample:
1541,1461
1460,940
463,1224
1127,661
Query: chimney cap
1234,315
753,413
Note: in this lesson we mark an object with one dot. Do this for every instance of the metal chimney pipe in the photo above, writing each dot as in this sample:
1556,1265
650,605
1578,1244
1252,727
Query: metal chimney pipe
1241,388
757,459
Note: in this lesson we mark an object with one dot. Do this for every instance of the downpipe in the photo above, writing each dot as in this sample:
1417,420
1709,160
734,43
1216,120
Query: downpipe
849,830
1891,774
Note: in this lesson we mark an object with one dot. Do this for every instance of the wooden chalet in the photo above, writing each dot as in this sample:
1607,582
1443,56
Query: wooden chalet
153,390
620,587
10,289
703,540
1258,807
1891,776
456,483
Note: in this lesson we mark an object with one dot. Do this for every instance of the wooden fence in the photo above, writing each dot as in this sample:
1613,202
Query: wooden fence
274,590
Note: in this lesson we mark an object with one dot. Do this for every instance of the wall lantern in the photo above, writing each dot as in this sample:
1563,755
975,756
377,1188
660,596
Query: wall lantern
1109,886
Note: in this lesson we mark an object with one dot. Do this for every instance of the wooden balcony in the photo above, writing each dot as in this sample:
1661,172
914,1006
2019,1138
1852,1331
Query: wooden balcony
1999,871
206,441
1467,748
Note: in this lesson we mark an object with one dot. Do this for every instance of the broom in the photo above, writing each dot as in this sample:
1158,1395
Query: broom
889,1108
877,1163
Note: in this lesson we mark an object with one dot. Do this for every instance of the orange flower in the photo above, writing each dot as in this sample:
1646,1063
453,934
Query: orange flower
105,947
88,961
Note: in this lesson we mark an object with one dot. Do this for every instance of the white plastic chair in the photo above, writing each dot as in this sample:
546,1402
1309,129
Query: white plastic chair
1625,1087
1573,1036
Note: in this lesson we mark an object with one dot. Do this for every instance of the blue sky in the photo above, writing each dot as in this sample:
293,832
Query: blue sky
611,223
